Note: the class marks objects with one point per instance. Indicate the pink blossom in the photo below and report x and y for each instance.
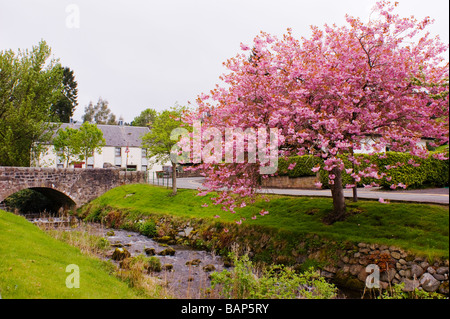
(225, 230)
(318, 184)
(254, 217)
(239, 222)
(244, 47)
(349, 170)
(327, 93)
(381, 200)
(263, 212)
(316, 169)
(440, 156)
(291, 166)
(216, 216)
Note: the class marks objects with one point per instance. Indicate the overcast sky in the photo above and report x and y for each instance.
(140, 54)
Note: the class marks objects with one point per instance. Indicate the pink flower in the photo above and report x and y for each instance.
(263, 212)
(349, 170)
(332, 176)
(239, 222)
(243, 204)
(244, 47)
(254, 217)
(315, 169)
(350, 185)
(204, 205)
(217, 216)
(291, 166)
(225, 230)
(381, 200)
(318, 184)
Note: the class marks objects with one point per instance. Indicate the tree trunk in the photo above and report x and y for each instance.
(174, 178)
(355, 191)
(337, 193)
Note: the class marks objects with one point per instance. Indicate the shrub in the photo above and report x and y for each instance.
(303, 165)
(147, 228)
(243, 282)
(431, 172)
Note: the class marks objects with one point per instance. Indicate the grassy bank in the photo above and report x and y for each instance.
(419, 228)
(33, 265)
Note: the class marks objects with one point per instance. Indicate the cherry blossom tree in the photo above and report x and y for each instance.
(329, 94)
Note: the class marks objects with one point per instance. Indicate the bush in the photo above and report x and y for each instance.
(147, 228)
(303, 166)
(431, 172)
(276, 282)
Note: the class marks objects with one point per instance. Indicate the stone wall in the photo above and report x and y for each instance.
(290, 182)
(80, 185)
(396, 266)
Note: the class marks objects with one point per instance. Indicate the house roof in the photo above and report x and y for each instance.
(117, 135)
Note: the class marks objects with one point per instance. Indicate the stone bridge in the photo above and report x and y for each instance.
(69, 188)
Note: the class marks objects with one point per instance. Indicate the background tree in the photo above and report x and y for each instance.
(30, 83)
(67, 144)
(158, 142)
(63, 109)
(99, 113)
(329, 93)
(146, 118)
(91, 140)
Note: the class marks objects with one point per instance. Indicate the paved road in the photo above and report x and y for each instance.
(433, 195)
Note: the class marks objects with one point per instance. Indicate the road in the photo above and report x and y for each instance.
(431, 195)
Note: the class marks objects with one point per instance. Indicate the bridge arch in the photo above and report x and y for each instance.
(78, 185)
(52, 200)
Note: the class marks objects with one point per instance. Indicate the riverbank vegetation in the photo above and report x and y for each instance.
(33, 266)
(419, 228)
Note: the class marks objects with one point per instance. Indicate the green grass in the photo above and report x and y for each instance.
(420, 228)
(33, 265)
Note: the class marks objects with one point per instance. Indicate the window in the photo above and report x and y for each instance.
(144, 168)
(118, 151)
(60, 165)
(144, 152)
(90, 166)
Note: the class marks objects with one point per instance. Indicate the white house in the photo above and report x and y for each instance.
(123, 149)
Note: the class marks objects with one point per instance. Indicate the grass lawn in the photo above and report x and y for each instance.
(420, 228)
(33, 265)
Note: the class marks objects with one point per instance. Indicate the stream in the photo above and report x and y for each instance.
(186, 277)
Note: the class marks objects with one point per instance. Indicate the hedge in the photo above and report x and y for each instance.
(431, 172)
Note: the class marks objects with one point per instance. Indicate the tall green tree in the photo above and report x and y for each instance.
(99, 113)
(67, 144)
(158, 142)
(91, 140)
(30, 83)
(146, 118)
(63, 109)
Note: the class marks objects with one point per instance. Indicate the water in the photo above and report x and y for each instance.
(183, 280)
